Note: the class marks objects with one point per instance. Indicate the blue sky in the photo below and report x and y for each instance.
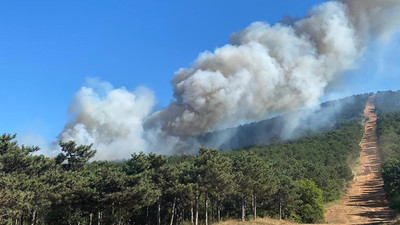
(49, 48)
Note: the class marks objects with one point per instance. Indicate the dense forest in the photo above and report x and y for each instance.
(290, 180)
(389, 143)
(273, 130)
(388, 109)
(387, 101)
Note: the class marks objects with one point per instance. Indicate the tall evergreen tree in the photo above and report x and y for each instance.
(74, 157)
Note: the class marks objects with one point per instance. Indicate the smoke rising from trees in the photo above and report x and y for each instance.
(111, 119)
(265, 69)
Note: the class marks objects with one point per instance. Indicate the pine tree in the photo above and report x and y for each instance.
(74, 157)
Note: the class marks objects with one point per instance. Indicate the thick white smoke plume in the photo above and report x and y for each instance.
(374, 18)
(265, 69)
(111, 119)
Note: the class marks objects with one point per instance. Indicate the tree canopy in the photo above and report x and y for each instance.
(289, 180)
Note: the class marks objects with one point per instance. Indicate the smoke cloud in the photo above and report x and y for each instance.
(265, 70)
(277, 68)
(374, 19)
(111, 119)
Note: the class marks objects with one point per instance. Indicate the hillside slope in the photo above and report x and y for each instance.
(364, 201)
(387, 101)
(288, 126)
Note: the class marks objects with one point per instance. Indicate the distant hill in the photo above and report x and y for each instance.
(291, 125)
(387, 101)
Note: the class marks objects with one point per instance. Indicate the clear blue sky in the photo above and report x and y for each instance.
(49, 48)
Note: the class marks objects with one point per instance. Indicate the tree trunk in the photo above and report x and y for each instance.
(212, 210)
(182, 213)
(255, 206)
(219, 211)
(173, 212)
(243, 209)
(147, 215)
(90, 218)
(113, 212)
(197, 211)
(98, 218)
(206, 207)
(280, 209)
(33, 217)
(120, 221)
(191, 213)
(159, 211)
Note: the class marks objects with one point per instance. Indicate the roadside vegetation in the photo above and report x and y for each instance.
(388, 131)
(389, 142)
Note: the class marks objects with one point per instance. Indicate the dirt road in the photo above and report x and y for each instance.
(364, 201)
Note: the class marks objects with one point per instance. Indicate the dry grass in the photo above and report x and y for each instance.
(263, 221)
(267, 221)
(397, 222)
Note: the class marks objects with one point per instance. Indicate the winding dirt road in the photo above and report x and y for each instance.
(364, 201)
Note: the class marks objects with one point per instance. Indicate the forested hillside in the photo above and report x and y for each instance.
(389, 142)
(274, 129)
(290, 180)
(387, 101)
(388, 108)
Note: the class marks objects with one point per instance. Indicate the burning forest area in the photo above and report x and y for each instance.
(284, 122)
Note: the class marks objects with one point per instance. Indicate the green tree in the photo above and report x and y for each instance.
(215, 177)
(254, 178)
(311, 209)
(391, 177)
(74, 157)
(286, 198)
(146, 180)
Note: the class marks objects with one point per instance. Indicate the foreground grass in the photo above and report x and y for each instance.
(397, 222)
(261, 221)
(267, 221)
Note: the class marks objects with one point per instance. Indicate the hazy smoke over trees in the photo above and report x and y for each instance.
(265, 69)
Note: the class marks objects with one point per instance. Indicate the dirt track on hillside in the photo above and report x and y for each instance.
(364, 201)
